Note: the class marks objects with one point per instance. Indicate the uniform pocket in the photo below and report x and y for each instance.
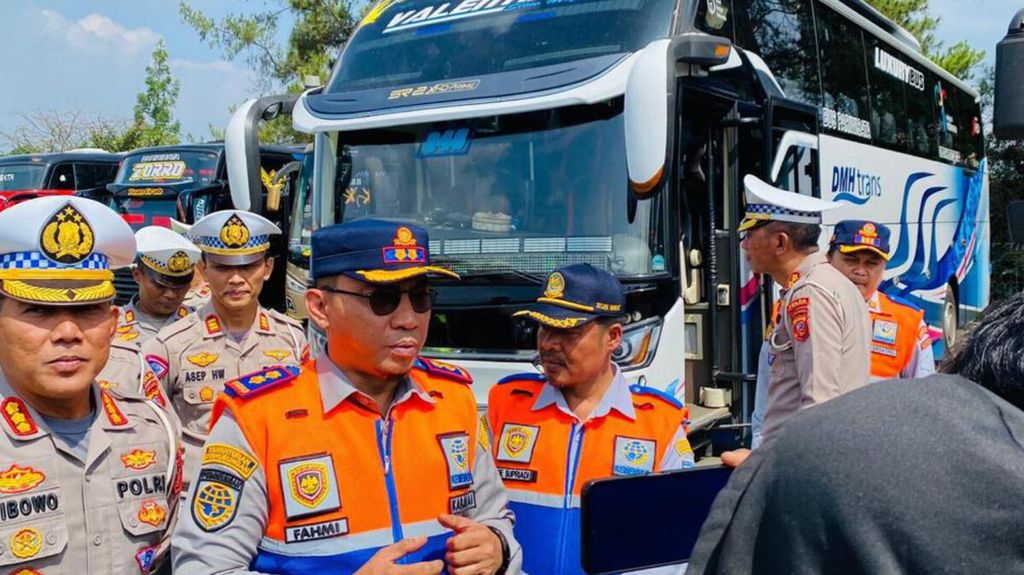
(35, 544)
(200, 393)
(141, 517)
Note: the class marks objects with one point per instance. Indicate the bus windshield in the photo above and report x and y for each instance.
(519, 194)
(21, 177)
(163, 168)
(402, 42)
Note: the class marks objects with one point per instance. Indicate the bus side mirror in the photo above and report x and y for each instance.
(1015, 220)
(650, 104)
(242, 148)
(1008, 119)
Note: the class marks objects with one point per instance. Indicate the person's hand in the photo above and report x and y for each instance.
(383, 561)
(735, 458)
(473, 550)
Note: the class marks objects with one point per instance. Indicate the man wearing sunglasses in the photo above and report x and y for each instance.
(232, 334)
(368, 456)
(578, 421)
(817, 348)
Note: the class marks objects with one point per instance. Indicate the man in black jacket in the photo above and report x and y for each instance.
(915, 476)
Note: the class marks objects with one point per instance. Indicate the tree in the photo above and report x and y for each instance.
(959, 59)
(319, 30)
(154, 106)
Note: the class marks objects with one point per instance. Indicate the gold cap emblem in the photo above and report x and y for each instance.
(404, 237)
(67, 237)
(179, 262)
(234, 233)
(556, 286)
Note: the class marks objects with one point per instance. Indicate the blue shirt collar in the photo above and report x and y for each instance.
(335, 387)
(618, 397)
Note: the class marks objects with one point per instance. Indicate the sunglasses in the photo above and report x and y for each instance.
(385, 300)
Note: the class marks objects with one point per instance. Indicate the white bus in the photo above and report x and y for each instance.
(530, 134)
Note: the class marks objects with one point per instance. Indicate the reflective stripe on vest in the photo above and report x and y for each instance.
(894, 334)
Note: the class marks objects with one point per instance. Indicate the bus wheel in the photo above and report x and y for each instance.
(949, 318)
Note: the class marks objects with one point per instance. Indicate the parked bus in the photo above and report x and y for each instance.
(528, 135)
(84, 172)
(185, 182)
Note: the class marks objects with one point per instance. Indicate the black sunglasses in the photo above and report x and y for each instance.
(384, 300)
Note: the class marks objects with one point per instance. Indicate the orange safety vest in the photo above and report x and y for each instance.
(895, 332)
(353, 473)
(543, 474)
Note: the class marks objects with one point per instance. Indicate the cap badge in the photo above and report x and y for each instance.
(179, 262)
(556, 286)
(234, 233)
(67, 237)
(404, 237)
(404, 249)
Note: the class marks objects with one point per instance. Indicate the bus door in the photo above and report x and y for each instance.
(713, 133)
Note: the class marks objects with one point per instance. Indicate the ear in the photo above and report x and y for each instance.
(270, 268)
(137, 274)
(316, 307)
(115, 314)
(614, 337)
(782, 243)
(201, 268)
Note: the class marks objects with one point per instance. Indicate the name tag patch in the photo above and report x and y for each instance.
(884, 331)
(462, 503)
(516, 442)
(456, 454)
(882, 350)
(522, 475)
(633, 456)
(315, 531)
(310, 486)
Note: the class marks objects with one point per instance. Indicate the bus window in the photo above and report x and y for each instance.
(781, 32)
(968, 140)
(715, 17)
(63, 177)
(844, 81)
(891, 77)
(920, 127)
(947, 129)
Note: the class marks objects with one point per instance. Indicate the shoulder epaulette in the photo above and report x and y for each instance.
(256, 383)
(285, 318)
(177, 327)
(444, 370)
(898, 300)
(644, 390)
(522, 377)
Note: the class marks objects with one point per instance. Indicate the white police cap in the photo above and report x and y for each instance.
(233, 237)
(60, 250)
(165, 255)
(766, 203)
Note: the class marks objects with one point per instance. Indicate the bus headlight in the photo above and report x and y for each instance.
(639, 341)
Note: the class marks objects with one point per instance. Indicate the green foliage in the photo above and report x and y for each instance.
(154, 106)
(959, 59)
(319, 29)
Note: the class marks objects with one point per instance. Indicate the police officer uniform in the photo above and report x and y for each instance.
(199, 293)
(105, 506)
(169, 260)
(545, 453)
(303, 474)
(195, 356)
(901, 345)
(818, 346)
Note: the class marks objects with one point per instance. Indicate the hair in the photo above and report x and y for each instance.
(992, 355)
(608, 322)
(803, 236)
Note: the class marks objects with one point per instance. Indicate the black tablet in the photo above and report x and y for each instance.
(633, 523)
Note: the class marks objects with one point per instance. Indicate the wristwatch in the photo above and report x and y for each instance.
(505, 552)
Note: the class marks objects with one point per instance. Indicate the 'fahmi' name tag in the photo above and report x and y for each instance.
(314, 531)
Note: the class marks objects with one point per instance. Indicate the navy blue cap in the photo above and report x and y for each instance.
(575, 295)
(373, 251)
(856, 235)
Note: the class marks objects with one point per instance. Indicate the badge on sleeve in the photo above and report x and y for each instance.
(456, 454)
(215, 500)
(516, 442)
(798, 310)
(633, 456)
(884, 331)
(310, 486)
(924, 339)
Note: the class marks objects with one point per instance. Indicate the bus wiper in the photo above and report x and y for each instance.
(532, 278)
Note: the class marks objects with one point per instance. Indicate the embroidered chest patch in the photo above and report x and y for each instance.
(633, 456)
(884, 331)
(516, 442)
(309, 485)
(456, 454)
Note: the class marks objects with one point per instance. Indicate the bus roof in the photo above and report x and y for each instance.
(217, 146)
(50, 158)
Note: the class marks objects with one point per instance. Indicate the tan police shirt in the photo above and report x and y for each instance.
(137, 327)
(111, 513)
(197, 297)
(128, 371)
(818, 348)
(195, 356)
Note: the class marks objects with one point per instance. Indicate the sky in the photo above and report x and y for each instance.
(91, 55)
